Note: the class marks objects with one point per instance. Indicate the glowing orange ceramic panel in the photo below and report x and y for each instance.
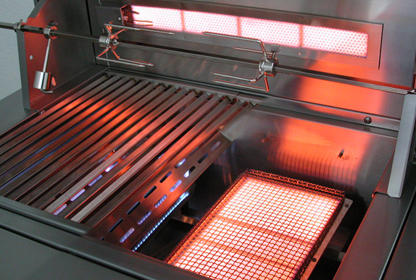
(198, 22)
(287, 34)
(271, 31)
(169, 19)
(335, 40)
(261, 228)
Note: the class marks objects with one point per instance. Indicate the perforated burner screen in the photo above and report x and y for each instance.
(264, 227)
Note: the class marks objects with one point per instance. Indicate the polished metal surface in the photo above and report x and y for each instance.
(110, 41)
(339, 157)
(45, 80)
(280, 86)
(403, 152)
(52, 263)
(12, 111)
(345, 207)
(396, 16)
(373, 29)
(369, 254)
(49, 250)
(266, 65)
(401, 266)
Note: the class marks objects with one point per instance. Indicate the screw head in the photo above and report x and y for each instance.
(368, 120)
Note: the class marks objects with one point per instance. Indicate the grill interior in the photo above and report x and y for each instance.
(136, 144)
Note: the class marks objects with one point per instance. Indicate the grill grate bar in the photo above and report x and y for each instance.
(96, 150)
(123, 150)
(38, 129)
(164, 142)
(186, 140)
(66, 140)
(26, 129)
(89, 157)
(146, 216)
(67, 152)
(207, 144)
(26, 154)
(144, 152)
(62, 181)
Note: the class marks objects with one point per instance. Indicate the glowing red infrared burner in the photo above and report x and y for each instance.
(264, 227)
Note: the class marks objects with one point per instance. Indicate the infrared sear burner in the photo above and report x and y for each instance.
(264, 227)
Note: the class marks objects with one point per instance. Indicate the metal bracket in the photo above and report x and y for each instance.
(44, 80)
(127, 17)
(109, 42)
(18, 25)
(266, 64)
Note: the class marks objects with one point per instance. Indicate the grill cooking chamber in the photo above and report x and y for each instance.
(147, 115)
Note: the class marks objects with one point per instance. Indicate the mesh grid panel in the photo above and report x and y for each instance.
(169, 19)
(270, 31)
(262, 228)
(198, 22)
(335, 40)
(287, 34)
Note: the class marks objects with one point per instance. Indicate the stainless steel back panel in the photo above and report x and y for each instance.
(396, 54)
(398, 43)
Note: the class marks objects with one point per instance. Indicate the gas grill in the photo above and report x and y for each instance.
(211, 140)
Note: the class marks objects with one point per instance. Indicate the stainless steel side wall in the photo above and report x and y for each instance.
(344, 158)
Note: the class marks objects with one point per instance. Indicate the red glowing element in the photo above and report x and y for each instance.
(269, 31)
(335, 40)
(169, 19)
(198, 22)
(261, 229)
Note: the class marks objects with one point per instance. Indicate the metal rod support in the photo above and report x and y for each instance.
(90, 38)
(6, 25)
(45, 63)
(222, 59)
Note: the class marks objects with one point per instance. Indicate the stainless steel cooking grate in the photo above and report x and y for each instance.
(264, 227)
(115, 155)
